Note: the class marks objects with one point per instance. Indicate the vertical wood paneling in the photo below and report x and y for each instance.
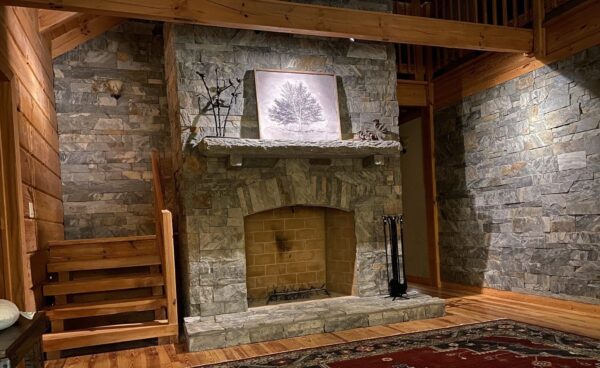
(26, 54)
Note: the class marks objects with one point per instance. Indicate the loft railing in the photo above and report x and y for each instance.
(509, 13)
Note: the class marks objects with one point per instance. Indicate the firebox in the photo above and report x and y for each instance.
(299, 253)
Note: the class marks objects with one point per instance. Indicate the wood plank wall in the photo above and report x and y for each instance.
(27, 56)
(566, 34)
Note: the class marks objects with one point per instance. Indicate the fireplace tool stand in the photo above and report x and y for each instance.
(394, 257)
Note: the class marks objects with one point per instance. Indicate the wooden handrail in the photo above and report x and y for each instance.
(159, 203)
(169, 266)
(164, 242)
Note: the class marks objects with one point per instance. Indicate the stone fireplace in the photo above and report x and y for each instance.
(257, 215)
(261, 215)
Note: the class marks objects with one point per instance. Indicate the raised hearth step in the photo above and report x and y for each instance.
(304, 318)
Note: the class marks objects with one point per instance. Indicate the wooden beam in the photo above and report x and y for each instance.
(76, 30)
(49, 19)
(314, 20)
(429, 177)
(411, 93)
(566, 34)
(539, 31)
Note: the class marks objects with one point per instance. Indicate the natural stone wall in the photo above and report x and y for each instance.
(105, 143)
(518, 170)
(366, 75)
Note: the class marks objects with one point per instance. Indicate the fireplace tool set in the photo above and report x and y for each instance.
(394, 256)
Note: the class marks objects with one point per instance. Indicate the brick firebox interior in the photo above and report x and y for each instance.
(299, 247)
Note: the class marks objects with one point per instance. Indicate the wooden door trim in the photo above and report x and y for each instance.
(13, 196)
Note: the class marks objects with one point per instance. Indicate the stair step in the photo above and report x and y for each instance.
(93, 309)
(57, 341)
(101, 240)
(103, 263)
(102, 284)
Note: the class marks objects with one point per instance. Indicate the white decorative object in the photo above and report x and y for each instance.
(297, 105)
(9, 314)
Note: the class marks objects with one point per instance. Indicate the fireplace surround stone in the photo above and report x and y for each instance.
(215, 198)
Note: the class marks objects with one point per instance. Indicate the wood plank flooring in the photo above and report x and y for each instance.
(464, 306)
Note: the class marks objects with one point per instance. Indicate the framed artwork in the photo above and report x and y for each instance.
(297, 105)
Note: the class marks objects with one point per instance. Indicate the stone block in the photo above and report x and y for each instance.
(345, 323)
(572, 160)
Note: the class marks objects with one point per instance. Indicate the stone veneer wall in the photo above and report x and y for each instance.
(105, 143)
(366, 74)
(518, 170)
(213, 198)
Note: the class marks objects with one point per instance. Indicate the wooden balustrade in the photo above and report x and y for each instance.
(510, 13)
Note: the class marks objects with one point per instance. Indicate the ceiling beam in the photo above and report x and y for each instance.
(48, 19)
(77, 29)
(314, 20)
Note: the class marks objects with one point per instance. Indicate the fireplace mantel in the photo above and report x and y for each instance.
(241, 147)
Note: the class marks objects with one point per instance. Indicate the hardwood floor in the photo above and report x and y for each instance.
(464, 306)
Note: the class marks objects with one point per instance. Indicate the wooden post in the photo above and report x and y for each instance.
(427, 126)
(169, 268)
(13, 231)
(159, 202)
(539, 32)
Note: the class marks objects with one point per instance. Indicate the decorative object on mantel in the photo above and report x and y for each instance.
(216, 101)
(297, 105)
(9, 314)
(376, 132)
(394, 256)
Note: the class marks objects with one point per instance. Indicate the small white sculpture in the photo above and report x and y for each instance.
(115, 87)
(9, 314)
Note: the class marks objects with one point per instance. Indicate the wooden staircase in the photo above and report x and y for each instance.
(104, 284)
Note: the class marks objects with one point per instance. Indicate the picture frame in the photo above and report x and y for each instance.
(297, 105)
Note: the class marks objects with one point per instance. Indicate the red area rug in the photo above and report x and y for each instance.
(494, 344)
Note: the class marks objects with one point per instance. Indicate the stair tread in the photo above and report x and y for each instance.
(103, 263)
(105, 283)
(108, 334)
(101, 240)
(107, 307)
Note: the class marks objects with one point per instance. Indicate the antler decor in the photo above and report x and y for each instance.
(216, 100)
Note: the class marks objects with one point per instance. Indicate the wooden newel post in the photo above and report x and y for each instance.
(169, 267)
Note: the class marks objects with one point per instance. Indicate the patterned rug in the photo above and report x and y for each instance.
(495, 344)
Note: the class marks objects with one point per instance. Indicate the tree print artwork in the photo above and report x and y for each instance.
(296, 106)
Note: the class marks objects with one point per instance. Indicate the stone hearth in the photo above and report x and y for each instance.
(304, 318)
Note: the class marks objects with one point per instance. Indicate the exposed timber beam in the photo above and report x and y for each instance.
(287, 17)
(77, 29)
(49, 19)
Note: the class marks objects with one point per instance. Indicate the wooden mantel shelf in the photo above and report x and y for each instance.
(237, 148)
